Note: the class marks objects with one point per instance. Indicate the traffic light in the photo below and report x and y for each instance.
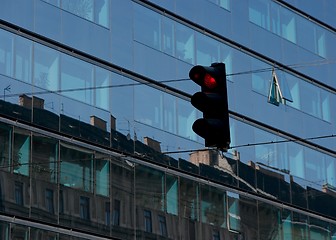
(212, 101)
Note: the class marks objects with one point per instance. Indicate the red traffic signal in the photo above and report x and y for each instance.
(212, 101)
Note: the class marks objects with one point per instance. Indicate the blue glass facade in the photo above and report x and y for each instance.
(95, 120)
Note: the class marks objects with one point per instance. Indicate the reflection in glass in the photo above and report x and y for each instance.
(184, 44)
(148, 106)
(101, 12)
(149, 188)
(189, 199)
(186, 115)
(82, 8)
(76, 79)
(23, 59)
(5, 146)
(172, 192)
(44, 158)
(21, 152)
(147, 27)
(296, 160)
(6, 53)
(46, 67)
(233, 211)
(102, 84)
(84, 207)
(102, 175)
(207, 51)
(213, 206)
(76, 168)
(168, 36)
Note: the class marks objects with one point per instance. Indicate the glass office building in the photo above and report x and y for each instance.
(95, 120)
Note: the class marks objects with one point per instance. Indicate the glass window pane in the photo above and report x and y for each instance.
(315, 167)
(326, 102)
(265, 153)
(306, 34)
(268, 219)
(185, 44)
(288, 25)
(207, 51)
(6, 53)
(172, 194)
(84, 207)
(44, 157)
(296, 160)
(189, 199)
(46, 67)
(148, 108)
(102, 175)
(123, 190)
(233, 211)
(149, 188)
(169, 113)
(76, 168)
(186, 116)
(147, 27)
(259, 13)
(213, 206)
(82, 8)
(21, 152)
(102, 12)
(5, 146)
(23, 59)
(168, 36)
(53, 2)
(310, 97)
(76, 79)
(122, 91)
(102, 88)
(294, 88)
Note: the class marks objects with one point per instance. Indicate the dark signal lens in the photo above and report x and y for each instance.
(209, 81)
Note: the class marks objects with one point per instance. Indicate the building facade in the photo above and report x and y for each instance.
(95, 120)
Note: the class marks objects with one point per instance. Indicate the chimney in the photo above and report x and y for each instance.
(152, 144)
(113, 122)
(98, 122)
(208, 157)
(27, 102)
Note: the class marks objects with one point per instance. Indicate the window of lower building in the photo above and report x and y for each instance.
(215, 235)
(49, 200)
(233, 211)
(116, 213)
(148, 220)
(84, 208)
(162, 225)
(18, 193)
(107, 213)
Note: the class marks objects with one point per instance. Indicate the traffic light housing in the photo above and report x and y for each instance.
(212, 101)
